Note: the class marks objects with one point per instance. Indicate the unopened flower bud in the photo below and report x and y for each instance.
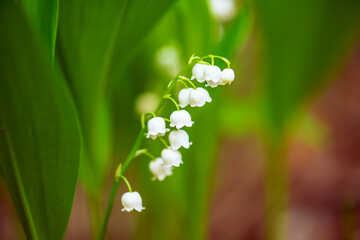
(227, 75)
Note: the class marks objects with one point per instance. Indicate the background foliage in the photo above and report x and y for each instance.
(71, 73)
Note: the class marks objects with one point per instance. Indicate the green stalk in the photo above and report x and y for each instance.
(131, 155)
(114, 189)
(95, 212)
(116, 182)
(181, 78)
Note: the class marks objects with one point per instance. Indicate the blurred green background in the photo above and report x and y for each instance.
(274, 156)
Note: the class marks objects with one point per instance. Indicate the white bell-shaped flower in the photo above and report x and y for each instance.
(159, 169)
(180, 118)
(171, 157)
(184, 97)
(223, 10)
(212, 73)
(198, 72)
(156, 128)
(178, 138)
(199, 97)
(130, 201)
(227, 76)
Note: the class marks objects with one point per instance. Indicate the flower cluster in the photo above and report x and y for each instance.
(170, 156)
(212, 75)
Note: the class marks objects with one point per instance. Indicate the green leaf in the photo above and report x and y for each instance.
(40, 142)
(303, 44)
(302, 41)
(139, 19)
(95, 41)
(43, 15)
(236, 35)
(197, 30)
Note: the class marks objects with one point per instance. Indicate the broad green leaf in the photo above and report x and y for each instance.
(302, 40)
(40, 142)
(92, 51)
(95, 40)
(139, 19)
(43, 15)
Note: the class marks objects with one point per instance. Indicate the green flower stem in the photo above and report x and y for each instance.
(163, 141)
(144, 152)
(117, 180)
(149, 155)
(187, 80)
(204, 62)
(126, 182)
(113, 191)
(218, 57)
(194, 57)
(135, 147)
(143, 116)
(183, 83)
(171, 99)
(139, 152)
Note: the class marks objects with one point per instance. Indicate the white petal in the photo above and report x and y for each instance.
(212, 84)
(180, 118)
(171, 157)
(156, 127)
(178, 138)
(199, 97)
(227, 75)
(212, 73)
(198, 72)
(159, 170)
(184, 97)
(137, 202)
(131, 200)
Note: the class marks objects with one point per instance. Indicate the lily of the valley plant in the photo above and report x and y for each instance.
(170, 157)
